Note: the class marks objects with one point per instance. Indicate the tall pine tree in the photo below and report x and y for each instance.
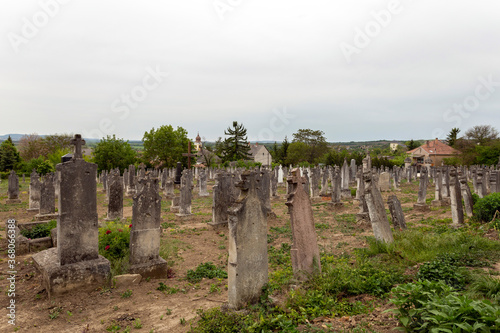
(236, 145)
(9, 156)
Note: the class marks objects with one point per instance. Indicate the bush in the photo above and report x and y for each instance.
(205, 270)
(40, 230)
(427, 306)
(444, 268)
(114, 240)
(485, 208)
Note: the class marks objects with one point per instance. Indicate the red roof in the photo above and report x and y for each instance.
(435, 147)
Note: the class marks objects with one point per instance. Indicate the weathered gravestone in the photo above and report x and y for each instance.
(467, 195)
(304, 251)
(376, 210)
(34, 192)
(324, 182)
(169, 189)
(438, 184)
(315, 181)
(186, 194)
(362, 216)
(384, 182)
(75, 264)
(146, 231)
(203, 192)
(131, 189)
(398, 218)
(422, 192)
(224, 196)
(457, 209)
(178, 173)
(247, 262)
(344, 175)
(115, 195)
(13, 188)
(336, 204)
(47, 209)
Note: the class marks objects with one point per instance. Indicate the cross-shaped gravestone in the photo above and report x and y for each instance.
(188, 154)
(78, 142)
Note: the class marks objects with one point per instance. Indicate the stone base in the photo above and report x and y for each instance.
(436, 203)
(155, 269)
(203, 194)
(335, 206)
(422, 207)
(346, 194)
(275, 197)
(446, 202)
(83, 275)
(218, 226)
(33, 210)
(174, 209)
(13, 201)
(46, 217)
(363, 218)
(184, 216)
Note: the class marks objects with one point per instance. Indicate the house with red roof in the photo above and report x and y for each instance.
(434, 150)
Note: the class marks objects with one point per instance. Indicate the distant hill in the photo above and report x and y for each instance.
(14, 137)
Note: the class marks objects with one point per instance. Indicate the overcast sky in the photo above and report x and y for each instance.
(357, 70)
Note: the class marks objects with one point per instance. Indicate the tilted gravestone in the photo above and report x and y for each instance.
(146, 231)
(398, 218)
(457, 209)
(75, 263)
(304, 251)
(467, 195)
(247, 262)
(376, 210)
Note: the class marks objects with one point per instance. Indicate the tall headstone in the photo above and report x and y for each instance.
(131, 190)
(223, 197)
(346, 191)
(336, 203)
(457, 209)
(304, 251)
(362, 216)
(75, 263)
(178, 173)
(467, 195)
(34, 192)
(13, 188)
(168, 188)
(247, 262)
(422, 192)
(186, 194)
(202, 181)
(115, 195)
(376, 210)
(146, 231)
(438, 184)
(280, 174)
(324, 182)
(384, 182)
(398, 218)
(315, 181)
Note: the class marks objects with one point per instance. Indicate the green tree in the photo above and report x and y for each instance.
(452, 136)
(58, 142)
(297, 153)
(315, 141)
(164, 146)
(236, 145)
(110, 153)
(9, 156)
(284, 151)
(32, 146)
(412, 144)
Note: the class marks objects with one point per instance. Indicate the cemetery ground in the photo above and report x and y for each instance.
(352, 294)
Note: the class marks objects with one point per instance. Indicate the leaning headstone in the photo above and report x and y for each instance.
(398, 218)
(75, 264)
(13, 189)
(422, 192)
(467, 195)
(376, 210)
(362, 216)
(202, 183)
(457, 209)
(146, 231)
(34, 192)
(304, 251)
(186, 194)
(115, 196)
(47, 199)
(247, 262)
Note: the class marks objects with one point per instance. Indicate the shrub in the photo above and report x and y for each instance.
(485, 208)
(427, 306)
(114, 239)
(40, 230)
(205, 270)
(444, 268)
